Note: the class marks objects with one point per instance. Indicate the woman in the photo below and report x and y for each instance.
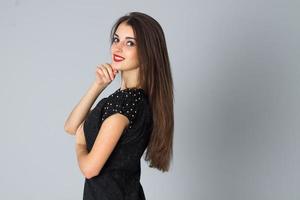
(112, 137)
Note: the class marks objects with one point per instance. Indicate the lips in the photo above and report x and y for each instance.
(118, 58)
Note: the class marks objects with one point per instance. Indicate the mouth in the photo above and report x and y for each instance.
(118, 58)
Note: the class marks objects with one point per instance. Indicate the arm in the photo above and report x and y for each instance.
(110, 132)
(81, 110)
(104, 75)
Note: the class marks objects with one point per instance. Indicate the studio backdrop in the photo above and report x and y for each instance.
(236, 72)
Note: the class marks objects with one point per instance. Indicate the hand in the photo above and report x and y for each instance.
(80, 139)
(105, 73)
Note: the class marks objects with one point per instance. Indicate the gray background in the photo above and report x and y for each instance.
(236, 74)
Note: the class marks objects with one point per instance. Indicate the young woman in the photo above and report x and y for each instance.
(112, 137)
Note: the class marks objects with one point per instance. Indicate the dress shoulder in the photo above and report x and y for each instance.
(125, 102)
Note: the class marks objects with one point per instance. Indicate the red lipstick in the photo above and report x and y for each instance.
(118, 58)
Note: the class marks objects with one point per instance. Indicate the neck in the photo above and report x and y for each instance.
(129, 79)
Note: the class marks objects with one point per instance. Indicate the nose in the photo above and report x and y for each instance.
(118, 46)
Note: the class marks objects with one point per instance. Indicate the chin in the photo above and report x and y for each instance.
(121, 66)
(117, 65)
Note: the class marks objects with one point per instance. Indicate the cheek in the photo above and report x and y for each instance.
(133, 56)
(113, 48)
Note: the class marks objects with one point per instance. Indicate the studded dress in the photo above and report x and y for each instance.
(119, 179)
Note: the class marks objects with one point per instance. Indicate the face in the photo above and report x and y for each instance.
(124, 49)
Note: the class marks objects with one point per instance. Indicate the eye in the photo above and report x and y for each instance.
(115, 39)
(130, 43)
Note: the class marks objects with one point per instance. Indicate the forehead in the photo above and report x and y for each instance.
(124, 30)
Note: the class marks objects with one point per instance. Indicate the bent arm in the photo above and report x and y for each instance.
(108, 136)
(80, 111)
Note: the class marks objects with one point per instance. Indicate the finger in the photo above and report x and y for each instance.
(115, 71)
(104, 70)
(100, 73)
(109, 69)
(98, 69)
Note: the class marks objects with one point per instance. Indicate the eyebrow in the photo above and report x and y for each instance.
(125, 37)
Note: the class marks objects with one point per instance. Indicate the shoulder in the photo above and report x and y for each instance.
(130, 97)
(128, 93)
(126, 102)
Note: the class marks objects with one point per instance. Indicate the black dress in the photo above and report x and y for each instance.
(119, 179)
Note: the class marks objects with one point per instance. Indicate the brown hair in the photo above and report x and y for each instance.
(155, 78)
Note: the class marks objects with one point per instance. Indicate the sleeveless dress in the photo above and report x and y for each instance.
(119, 179)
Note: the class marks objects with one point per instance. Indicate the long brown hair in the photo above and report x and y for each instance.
(155, 78)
